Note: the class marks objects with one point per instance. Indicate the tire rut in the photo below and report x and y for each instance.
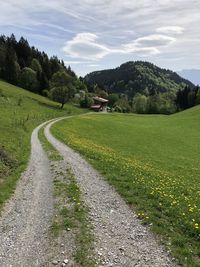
(26, 217)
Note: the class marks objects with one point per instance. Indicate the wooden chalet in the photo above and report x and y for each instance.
(100, 104)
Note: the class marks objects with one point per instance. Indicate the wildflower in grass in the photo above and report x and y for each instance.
(167, 190)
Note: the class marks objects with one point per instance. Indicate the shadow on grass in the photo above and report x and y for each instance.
(48, 105)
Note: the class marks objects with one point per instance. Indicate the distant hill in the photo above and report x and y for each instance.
(138, 76)
(191, 74)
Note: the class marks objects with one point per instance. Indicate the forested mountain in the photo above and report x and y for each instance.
(137, 77)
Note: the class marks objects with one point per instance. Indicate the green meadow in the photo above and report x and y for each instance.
(153, 162)
(20, 112)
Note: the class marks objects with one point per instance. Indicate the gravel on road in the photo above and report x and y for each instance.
(26, 217)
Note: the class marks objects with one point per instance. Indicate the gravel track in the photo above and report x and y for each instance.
(26, 217)
(120, 238)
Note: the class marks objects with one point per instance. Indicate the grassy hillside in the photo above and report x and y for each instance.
(20, 112)
(153, 162)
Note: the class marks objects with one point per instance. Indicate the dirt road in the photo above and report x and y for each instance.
(120, 238)
(25, 221)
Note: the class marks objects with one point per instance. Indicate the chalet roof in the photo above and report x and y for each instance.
(95, 106)
(100, 99)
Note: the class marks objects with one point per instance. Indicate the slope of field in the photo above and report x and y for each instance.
(20, 112)
(153, 162)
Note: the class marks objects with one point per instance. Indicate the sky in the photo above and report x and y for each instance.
(92, 35)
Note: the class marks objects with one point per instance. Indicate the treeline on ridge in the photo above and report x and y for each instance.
(27, 67)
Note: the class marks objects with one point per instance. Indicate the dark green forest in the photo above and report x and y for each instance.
(18, 60)
(27, 67)
(139, 86)
(137, 77)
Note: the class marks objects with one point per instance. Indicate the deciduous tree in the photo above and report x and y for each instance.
(62, 88)
(28, 79)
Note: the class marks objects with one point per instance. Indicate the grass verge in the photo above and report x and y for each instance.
(73, 216)
(52, 153)
(153, 162)
(71, 213)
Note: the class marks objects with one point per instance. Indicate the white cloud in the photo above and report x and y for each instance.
(149, 45)
(85, 46)
(93, 65)
(85, 37)
(170, 30)
(154, 40)
(133, 48)
(57, 27)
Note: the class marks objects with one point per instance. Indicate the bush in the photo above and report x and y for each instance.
(87, 102)
(28, 79)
